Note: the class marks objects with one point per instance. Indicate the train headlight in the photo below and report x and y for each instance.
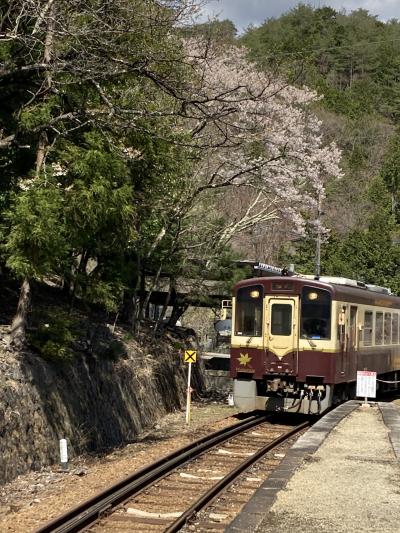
(254, 294)
(312, 296)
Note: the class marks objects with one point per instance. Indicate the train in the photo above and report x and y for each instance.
(297, 342)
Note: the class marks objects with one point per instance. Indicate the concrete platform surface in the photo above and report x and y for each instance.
(343, 475)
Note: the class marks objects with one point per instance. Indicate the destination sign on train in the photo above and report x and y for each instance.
(268, 268)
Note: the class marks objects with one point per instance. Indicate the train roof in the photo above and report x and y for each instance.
(341, 289)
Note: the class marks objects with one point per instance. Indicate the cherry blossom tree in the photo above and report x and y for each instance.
(78, 75)
(253, 137)
(256, 134)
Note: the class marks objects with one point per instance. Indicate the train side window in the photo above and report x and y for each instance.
(395, 328)
(388, 328)
(378, 328)
(249, 302)
(368, 324)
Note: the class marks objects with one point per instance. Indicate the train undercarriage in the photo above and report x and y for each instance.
(283, 394)
(278, 395)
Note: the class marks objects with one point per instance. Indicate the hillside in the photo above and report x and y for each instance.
(84, 380)
(352, 60)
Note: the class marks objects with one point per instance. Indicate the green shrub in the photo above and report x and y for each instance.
(114, 350)
(54, 336)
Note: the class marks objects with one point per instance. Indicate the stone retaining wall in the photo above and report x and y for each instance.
(95, 403)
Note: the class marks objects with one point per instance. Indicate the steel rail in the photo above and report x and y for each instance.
(90, 510)
(219, 487)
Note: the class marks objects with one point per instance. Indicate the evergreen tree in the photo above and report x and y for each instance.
(370, 255)
(390, 173)
(119, 137)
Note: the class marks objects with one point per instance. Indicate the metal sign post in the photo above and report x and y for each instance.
(188, 395)
(189, 357)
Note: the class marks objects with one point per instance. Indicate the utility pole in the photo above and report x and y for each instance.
(318, 244)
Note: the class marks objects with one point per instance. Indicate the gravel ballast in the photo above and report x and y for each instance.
(35, 498)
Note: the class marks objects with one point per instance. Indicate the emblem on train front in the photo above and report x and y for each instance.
(244, 359)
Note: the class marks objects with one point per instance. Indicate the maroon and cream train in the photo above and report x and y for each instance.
(297, 343)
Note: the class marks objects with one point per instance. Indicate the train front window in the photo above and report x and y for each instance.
(315, 313)
(281, 319)
(249, 305)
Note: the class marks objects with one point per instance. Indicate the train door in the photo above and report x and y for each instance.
(352, 347)
(353, 329)
(342, 332)
(281, 333)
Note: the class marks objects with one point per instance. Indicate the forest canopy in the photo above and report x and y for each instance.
(352, 60)
(134, 141)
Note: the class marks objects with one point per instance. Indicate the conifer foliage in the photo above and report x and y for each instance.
(119, 136)
(352, 59)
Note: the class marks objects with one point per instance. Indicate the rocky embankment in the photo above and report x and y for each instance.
(96, 401)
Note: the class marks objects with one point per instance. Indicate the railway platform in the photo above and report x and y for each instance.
(342, 475)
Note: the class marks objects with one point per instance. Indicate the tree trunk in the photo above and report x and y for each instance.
(177, 311)
(149, 293)
(171, 292)
(394, 202)
(142, 294)
(18, 326)
(135, 300)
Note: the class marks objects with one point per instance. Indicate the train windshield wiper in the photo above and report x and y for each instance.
(310, 342)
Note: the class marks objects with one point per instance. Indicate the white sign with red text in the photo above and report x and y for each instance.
(366, 384)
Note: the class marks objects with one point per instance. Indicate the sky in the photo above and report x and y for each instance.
(245, 12)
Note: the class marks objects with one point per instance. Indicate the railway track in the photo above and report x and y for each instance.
(165, 495)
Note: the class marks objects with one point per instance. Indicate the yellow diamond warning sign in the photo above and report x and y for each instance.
(190, 356)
